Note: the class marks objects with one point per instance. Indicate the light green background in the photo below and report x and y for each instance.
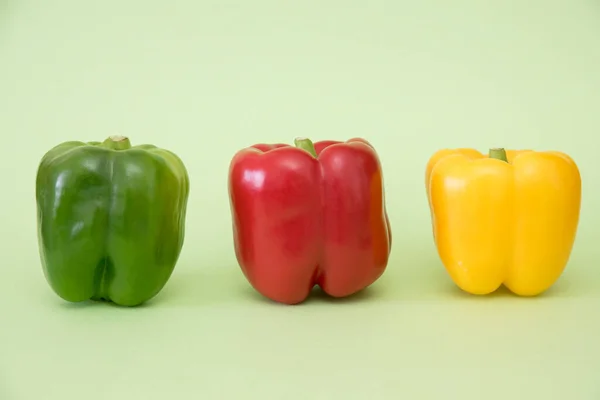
(205, 78)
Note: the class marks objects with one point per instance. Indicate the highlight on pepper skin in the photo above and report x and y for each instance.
(508, 218)
(309, 214)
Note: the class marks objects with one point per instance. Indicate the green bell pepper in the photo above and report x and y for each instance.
(111, 219)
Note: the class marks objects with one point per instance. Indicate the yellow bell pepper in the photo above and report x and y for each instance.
(506, 218)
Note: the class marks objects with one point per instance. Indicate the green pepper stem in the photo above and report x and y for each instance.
(499, 154)
(117, 143)
(306, 144)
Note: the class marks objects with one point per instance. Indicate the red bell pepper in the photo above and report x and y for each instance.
(309, 215)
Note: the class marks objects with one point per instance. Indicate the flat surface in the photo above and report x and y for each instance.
(205, 78)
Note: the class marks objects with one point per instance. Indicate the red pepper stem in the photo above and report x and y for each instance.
(306, 144)
(117, 143)
(499, 154)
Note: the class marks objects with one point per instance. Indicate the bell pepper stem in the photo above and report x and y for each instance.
(306, 144)
(117, 142)
(499, 154)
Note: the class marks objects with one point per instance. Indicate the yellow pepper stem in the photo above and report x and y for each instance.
(499, 154)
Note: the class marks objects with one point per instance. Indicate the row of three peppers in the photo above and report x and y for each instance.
(315, 214)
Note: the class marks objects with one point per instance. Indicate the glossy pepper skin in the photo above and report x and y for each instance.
(508, 218)
(309, 215)
(111, 219)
